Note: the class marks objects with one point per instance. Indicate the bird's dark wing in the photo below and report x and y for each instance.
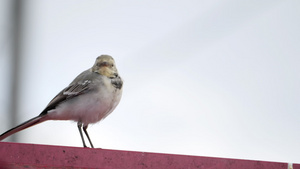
(73, 90)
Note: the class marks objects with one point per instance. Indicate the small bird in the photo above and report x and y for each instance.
(90, 97)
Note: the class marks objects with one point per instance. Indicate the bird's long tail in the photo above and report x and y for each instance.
(26, 124)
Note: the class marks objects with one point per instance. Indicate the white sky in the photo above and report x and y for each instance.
(209, 78)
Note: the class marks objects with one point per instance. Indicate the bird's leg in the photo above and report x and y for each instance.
(79, 125)
(87, 135)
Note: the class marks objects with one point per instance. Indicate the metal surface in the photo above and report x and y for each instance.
(16, 155)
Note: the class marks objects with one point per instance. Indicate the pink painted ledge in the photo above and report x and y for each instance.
(17, 155)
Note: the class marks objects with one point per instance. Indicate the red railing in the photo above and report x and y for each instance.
(16, 155)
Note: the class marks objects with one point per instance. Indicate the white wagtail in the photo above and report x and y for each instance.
(91, 96)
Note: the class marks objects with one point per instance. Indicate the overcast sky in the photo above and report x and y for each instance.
(213, 78)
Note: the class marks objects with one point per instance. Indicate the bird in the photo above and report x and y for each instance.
(88, 99)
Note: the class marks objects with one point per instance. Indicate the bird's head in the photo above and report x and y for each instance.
(105, 65)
